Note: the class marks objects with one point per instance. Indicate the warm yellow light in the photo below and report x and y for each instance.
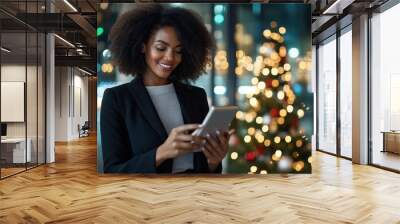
(275, 83)
(278, 153)
(299, 143)
(281, 121)
(277, 139)
(260, 138)
(247, 138)
(288, 139)
(309, 159)
(282, 52)
(253, 102)
(249, 67)
(267, 33)
(239, 115)
(234, 155)
(254, 81)
(286, 67)
(275, 56)
(267, 142)
(259, 120)
(264, 128)
(265, 71)
(288, 77)
(104, 68)
(298, 166)
(251, 131)
(261, 85)
(107, 68)
(289, 108)
(282, 30)
(253, 169)
(273, 127)
(239, 71)
(281, 95)
(275, 157)
(249, 118)
(268, 93)
(300, 113)
(239, 54)
(274, 71)
(302, 65)
(263, 172)
(282, 113)
(276, 36)
(281, 70)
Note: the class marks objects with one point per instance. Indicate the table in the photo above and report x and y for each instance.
(391, 141)
(13, 150)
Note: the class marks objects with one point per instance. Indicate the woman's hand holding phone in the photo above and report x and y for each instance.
(179, 142)
(216, 148)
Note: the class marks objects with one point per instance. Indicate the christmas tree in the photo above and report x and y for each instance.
(269, 137)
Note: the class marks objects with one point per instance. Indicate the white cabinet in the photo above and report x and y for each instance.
(16, 147)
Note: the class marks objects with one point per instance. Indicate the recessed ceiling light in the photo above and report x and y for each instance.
(64, 40)
(5, 49)
(70, 5)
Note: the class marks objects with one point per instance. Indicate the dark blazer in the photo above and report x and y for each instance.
(131, 130)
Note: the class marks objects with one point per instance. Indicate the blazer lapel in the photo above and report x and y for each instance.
(146, 106)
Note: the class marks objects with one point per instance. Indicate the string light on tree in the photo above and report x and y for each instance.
(272, 113)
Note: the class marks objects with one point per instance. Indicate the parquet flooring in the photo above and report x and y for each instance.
(70, 191)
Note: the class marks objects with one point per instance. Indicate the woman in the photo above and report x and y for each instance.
(146, 124)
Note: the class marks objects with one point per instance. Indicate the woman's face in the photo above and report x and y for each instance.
(163, 53)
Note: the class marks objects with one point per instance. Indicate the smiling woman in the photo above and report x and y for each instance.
(146, 124)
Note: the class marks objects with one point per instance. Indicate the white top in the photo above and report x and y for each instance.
(167, 105)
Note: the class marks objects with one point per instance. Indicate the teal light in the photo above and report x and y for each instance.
(100, 31)
(218, 19)
(218, 9)
(256, 7)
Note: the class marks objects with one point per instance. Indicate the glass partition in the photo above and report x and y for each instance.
(22, 88)
(327, 96)
(346, 94)
(13, 105)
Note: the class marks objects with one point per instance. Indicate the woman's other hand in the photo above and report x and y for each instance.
(216, 148)
(179, 142)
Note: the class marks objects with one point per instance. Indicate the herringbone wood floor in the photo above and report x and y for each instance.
(70, 191)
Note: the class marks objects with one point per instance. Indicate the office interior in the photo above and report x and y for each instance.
(49, 70)
(48, 80)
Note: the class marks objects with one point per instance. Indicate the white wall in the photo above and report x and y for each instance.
(12, 73)
(71, 93)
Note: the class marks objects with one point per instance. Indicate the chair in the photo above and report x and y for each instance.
(84, 130)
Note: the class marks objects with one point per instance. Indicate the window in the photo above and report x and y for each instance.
(385, 89)
(327, 96)
(346, 94)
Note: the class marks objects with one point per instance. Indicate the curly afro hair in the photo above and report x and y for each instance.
(135, 27)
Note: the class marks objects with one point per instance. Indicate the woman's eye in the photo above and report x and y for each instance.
(178, 51)
(160, 48)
